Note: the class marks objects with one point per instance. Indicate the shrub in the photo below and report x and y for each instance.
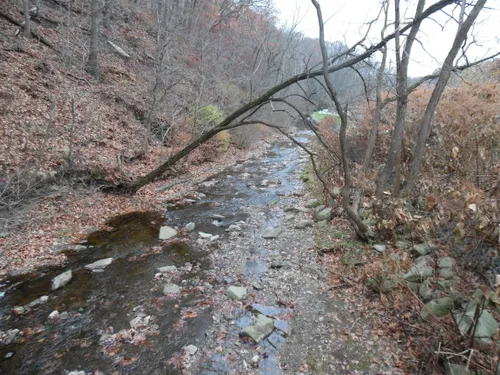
(206, 117)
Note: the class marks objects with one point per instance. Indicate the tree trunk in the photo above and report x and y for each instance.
(27, 25)
(92, 63)
(378, 105)
(444, 76)
(402, 61)
(359, 225)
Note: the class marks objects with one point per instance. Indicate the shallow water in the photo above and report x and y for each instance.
(100, 304)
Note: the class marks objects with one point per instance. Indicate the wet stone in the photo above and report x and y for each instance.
(276, 340)
(140, 321)
(167, 233)
(166, 269)
(18, 310)
(61, 280)
(171, 289)
(282, 325)
(38, 301)
(190, 226)
(262, 327)
(100, 265)
(54, 315)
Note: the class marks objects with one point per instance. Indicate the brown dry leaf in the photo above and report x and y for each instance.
(190, 315)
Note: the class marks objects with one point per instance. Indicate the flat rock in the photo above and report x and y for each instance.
(439, 307)
(446, 273)
(425, 290)
(38, 301)
(325, 214)
(424, 248)
(171, 289)
(418, 273)
(447, 262)
(272, 233)
(167, 233)
(61, 280)
(167, 269)
(141, 320)
(191, 349)
(302, 224)
(204, 235)
(100, 265)
(18, 310)
(236, 292)
(380, 248)
(262, 327)
(456, 369)
(312, 203)
(54, 315)
(323, 224)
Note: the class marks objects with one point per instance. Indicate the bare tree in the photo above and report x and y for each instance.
(444, 76)
(378, 105)
(92, 65)
(402, 62)
(251, 107)
(26, 25)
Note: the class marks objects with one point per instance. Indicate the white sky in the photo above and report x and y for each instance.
(345, 17)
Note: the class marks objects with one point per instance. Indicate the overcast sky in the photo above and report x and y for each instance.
(344, 18)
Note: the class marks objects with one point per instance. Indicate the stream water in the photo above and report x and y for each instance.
(93, 330)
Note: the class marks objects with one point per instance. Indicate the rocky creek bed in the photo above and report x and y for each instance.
(234, 287)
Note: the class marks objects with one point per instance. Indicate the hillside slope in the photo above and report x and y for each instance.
(59, 126)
